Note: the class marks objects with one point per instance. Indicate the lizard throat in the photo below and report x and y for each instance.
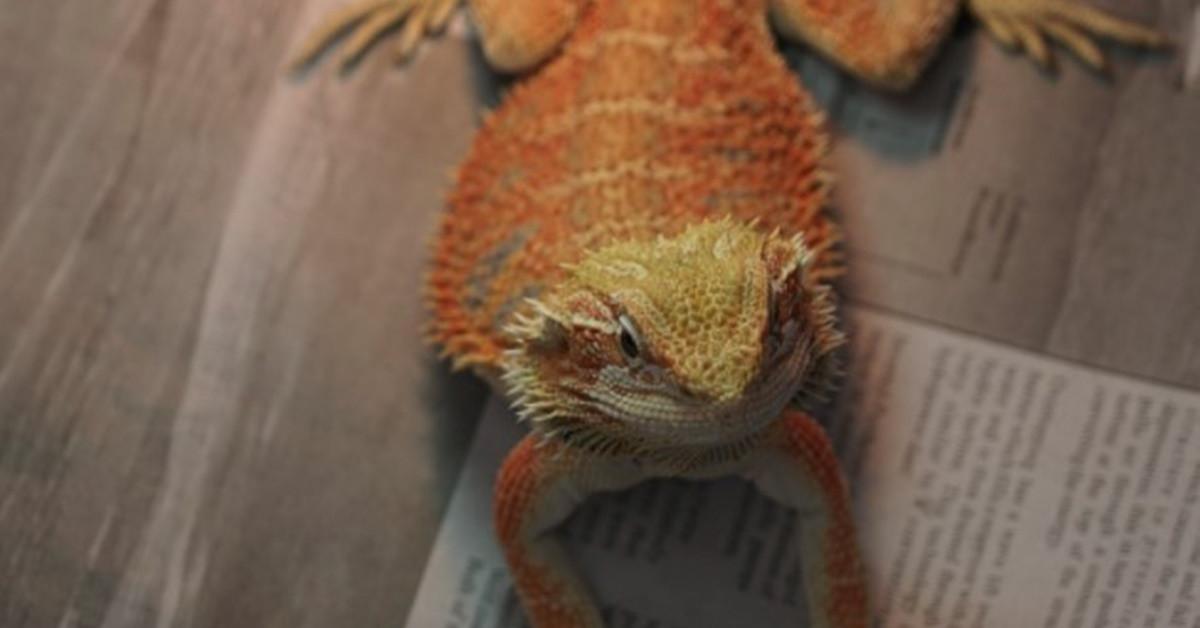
(674, 433)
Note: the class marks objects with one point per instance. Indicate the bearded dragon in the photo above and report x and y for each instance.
(637, 252)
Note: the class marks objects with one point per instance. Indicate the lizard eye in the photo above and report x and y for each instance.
(630, 345)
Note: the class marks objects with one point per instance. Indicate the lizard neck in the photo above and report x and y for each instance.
(713, 22)
(679, 18)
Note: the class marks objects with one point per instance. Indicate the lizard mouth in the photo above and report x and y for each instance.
(675, 435)
(673, 417)
(658, 420)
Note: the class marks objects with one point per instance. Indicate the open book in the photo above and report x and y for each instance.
(995, 487)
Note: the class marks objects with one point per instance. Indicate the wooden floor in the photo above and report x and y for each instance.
(215, 405)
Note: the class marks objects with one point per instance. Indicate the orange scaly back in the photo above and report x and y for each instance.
(656, 115)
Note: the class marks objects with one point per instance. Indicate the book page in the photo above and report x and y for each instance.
(996, 487)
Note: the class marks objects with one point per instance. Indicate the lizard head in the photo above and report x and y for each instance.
(698, 340)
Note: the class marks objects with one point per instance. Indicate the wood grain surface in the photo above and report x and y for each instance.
(215, 405)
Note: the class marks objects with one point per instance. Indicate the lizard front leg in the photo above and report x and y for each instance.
(889, 43)
(796, 466)
(537, 489)
(516, 34)
(1023, 24)
(520, 34)
(366, 21)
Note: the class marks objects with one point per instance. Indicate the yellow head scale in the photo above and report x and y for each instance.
(692, 342)
(697, 302)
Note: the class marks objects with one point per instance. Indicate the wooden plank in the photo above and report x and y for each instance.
(216, 405)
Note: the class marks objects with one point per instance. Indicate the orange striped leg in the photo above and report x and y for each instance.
(519, 34)
(798, 468)
(885, 42)
(537, 489)
(889, 42)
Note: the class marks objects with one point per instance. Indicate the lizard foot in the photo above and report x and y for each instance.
(368, 20)
(1024, 24)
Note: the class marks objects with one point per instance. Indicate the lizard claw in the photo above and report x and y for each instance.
(365, 22)
(1025, 25)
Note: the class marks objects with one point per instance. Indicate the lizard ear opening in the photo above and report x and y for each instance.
(540, 330)
(551, 337)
